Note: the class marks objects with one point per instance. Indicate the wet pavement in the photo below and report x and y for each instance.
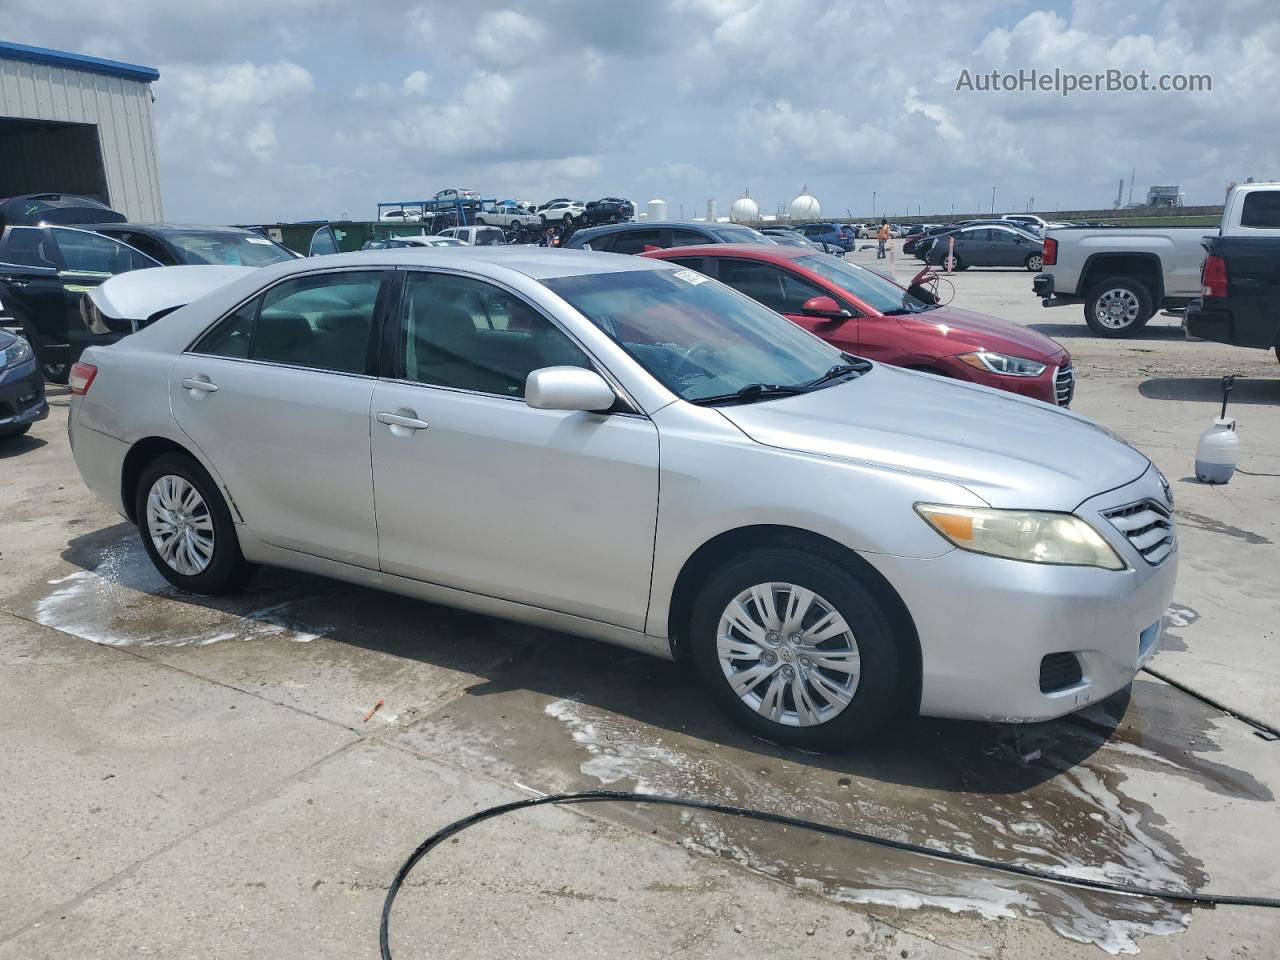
(187, 777)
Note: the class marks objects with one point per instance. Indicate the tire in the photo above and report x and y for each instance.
(515, 224)
(58, 373)
(957, 266)
(543, 218)
(871, 693)
(1118, 307)
(15, 433)
(225, 568)
(480, 222)
(1035, 263)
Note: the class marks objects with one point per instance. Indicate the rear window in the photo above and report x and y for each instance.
(1261, 210)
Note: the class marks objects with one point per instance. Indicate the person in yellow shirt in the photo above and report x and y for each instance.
(882, 235)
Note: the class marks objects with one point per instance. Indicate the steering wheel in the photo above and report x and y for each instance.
(687, 365)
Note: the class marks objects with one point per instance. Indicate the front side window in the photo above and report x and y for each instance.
(636, 241)
(92, 253)
(321, 321)
(697, 337)
(470, 335)
(323, 242)
(28, 246)
(775, 288)
(862, 284)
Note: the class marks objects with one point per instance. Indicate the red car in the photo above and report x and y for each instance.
(864, 313)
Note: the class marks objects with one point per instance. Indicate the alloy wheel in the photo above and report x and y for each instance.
(788, 654)
(180, 525)
(1117, 308)
(1035, 262)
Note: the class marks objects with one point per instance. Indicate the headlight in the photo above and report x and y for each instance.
(17, 352)
(1028, 535)
(1003, 364)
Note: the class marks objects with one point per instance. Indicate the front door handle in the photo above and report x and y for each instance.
(14, 281)
(199, 385)
(403, 423)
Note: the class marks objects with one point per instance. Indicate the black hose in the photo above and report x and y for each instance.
(612, 796)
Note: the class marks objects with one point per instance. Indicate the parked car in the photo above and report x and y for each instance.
(476, 236)
(22, 399)
(1240, 278)
(608, 210)
(398, 243)
(639, 237)
(509, 215)
(864, 313)
(828, 233)
(918, 245)
(1123, 275)
(543, 206)
(563, 212)
(793, 238)
(174, 243)
(456, 193)
(34, 209)
(992, 246)
(44, 273)
(838, 543)
(401, 216)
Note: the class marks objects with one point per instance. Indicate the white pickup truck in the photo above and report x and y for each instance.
(1123, 275)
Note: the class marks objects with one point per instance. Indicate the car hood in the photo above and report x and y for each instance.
(140, 294)
(1010, 451)
(973, 331)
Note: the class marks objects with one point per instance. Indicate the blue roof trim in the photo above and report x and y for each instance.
(77, 61)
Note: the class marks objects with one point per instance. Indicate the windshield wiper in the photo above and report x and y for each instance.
(839, 372)
(752, 392)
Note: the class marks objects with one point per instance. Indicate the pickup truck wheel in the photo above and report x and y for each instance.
(480, 222)
(1117, 307)
(1035, 263)
(543, 218)
(796, 650)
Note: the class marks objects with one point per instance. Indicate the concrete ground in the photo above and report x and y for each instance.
(192, 778)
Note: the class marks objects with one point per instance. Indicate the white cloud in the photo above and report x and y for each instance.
(416, 83)
(508, 37)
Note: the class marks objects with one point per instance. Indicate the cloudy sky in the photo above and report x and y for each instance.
(299, 109)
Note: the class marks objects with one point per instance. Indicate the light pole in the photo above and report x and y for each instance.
(873, 204)
(993, 201)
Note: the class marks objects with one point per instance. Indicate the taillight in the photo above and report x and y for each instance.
(1213, 277)
(1050, 252)
(81, 378)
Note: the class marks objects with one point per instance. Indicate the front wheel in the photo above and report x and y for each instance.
(1118, 307)
(480, 222)
(186, 527)
(796, 650)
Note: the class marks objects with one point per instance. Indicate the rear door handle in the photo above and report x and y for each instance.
(202, 386)
(403, 422)
(14, 281)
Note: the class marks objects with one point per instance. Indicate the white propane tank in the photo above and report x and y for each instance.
(657, 210)
(1217, 452)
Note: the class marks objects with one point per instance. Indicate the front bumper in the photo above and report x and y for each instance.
(22, 399)
(986, 624)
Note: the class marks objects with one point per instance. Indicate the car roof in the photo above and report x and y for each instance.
(537, 263)
(754, 251)
(165, 227)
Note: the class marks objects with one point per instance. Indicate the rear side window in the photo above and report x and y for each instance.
(688, 238)
(636, 241)
(1261, 210)
(322, 321)
(27, 246)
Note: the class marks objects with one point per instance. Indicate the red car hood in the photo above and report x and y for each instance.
(971, 331)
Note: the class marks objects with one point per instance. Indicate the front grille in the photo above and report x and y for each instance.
(1147, 525)
(1059, 671)
(1064, 384)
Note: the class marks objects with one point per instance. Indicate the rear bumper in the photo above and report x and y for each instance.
(1042, 287)
(22, 399)
(1217, 321)
(986, 625)
(100, 459)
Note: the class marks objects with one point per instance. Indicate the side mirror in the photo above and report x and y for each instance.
(824, 307)
(568, 388)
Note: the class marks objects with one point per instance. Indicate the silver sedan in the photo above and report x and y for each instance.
(618, 448)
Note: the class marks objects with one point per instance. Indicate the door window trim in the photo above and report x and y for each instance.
(372, 363)
(393, 368)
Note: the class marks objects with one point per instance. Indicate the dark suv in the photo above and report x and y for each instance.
(827, 233)
(608, 210)
(639, 237)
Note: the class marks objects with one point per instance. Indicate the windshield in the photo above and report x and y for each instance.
(869, 287)
(697, 337)
(224, 247)
(740, 235)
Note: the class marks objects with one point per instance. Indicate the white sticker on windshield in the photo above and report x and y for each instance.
(691, 276)
(258, 240)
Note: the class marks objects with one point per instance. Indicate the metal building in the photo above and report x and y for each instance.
(77, 124)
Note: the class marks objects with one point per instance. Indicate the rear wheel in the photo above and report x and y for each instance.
(1035, 263)
(796, 650)
(1118, 307)
(186, 527)
(480, 222)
